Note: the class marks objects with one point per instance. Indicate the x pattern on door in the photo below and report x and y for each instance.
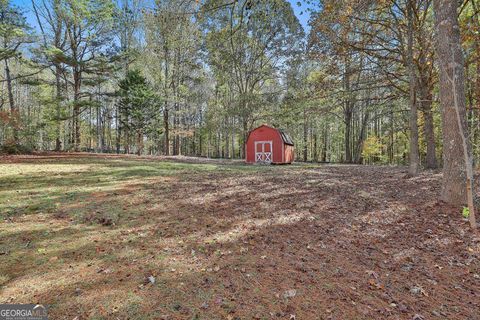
(263, 151)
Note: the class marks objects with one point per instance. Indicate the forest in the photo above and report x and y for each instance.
(185, 77)
(124, 192)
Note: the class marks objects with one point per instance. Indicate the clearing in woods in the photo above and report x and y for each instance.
(121, 237)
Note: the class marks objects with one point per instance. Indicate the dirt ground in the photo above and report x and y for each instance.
(121, 237)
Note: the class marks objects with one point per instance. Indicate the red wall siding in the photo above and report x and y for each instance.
(264, 133)
(289, 153)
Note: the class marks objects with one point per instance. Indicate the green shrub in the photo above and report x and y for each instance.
(465, 212)
(11, 148)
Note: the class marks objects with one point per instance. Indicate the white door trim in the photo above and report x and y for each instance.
(263, 156)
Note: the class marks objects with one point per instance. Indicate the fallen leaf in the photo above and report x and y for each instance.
(290, 293)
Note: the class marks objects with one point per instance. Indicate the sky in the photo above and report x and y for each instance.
(300, 11)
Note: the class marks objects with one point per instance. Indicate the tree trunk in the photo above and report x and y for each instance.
(175, 133)
(13, 110)
(361, 139)
(90, 120)
(431, 161)
(391, 149)
(414, 152)
(476, 131)
(58, 73)
(325, 143)
(98, 130)
(227, 140)
(347, 111)
(118, 126)
(217, 142)
(58, 85)
(458, 172)
(425, 93)
(305, 136)
(126, 145)
(232, 135)
(348, 114)
(139, 143)
(200, 143)
(245, 136)
(166, 134)
(76, 109)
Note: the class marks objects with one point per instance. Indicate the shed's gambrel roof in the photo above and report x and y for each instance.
(285, 137)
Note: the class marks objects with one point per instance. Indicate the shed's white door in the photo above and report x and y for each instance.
(263, 151)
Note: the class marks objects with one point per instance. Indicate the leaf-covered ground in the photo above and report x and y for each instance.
(119, 237)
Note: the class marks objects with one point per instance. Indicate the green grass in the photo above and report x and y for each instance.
(49, 187)
(93, 222)
(29, 188)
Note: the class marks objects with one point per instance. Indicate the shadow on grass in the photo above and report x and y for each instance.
(45, 192)
(226, 243)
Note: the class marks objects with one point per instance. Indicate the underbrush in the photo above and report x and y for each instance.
(12, 148)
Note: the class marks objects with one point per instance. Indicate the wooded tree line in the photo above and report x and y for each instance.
(189, 77)
(131, 76)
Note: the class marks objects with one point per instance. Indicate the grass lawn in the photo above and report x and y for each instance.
(121, 237)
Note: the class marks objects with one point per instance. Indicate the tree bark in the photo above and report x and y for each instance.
(118, 126)
(429, 132)
(361, 138)
(325, 143)
(58, 74)
(425, 93)
(476, 130)
(227, 139)
(457, 182)
(167, 130)
(165, 111)
(13, 110)
(232, 135)
(391, 147)
(414, 151)
(347, 110)
(305, 136)
(245, 136)
(348, 114)
(76, 110)
(58, 85)
(139, 142)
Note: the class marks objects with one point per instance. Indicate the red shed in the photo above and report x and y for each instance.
(268, 145)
